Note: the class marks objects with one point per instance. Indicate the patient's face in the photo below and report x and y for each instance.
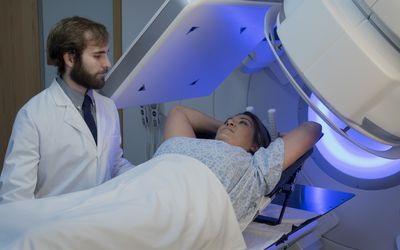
(238, 131)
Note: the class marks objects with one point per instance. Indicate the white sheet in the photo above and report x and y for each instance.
(169, 202)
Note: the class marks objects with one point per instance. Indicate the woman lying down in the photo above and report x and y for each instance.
(191, 195)
(241, 156)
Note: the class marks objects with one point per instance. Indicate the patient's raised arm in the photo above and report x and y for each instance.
(185, 122)
(299, 141)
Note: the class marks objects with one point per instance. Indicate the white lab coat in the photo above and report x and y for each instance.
(51, 150)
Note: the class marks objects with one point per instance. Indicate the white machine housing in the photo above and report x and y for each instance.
(186, 50)
(348, 54)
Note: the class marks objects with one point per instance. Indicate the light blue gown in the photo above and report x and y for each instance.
(246, 177)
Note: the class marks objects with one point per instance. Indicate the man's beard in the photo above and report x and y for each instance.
(82, 77)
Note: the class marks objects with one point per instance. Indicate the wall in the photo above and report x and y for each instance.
(135, 15)
(19, 61)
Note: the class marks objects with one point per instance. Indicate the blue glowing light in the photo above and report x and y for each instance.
(347, 157)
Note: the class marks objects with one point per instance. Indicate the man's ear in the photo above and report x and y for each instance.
(69, 59)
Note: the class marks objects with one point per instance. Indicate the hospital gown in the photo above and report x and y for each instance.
(246, 177)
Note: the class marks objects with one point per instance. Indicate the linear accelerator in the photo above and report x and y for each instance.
(346, 52)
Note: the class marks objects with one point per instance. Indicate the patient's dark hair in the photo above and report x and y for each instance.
(261, 134)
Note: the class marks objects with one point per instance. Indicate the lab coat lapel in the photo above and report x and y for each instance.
(71, 115)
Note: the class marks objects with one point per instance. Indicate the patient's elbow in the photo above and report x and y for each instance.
(313, 129)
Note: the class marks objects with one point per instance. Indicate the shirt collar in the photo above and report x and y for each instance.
(74, 96)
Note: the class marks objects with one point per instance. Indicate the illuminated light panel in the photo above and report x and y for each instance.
(347, 157)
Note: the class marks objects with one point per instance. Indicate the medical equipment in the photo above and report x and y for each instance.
(177, 61)
(173, 58)
(305, 207)
(349, 76)
(363, 47)
(150, 116)
(285, 186)
(169, 47)
(181, 48)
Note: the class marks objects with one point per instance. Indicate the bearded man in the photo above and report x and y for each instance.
(67, 138)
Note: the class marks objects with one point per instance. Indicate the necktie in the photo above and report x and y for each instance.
(88, 117)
